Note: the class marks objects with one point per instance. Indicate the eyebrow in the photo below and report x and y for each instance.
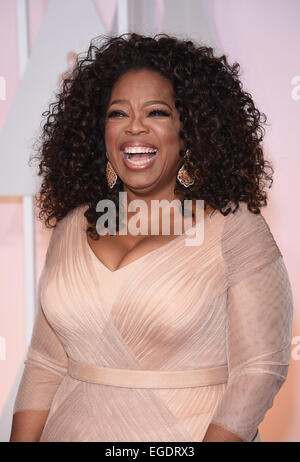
(148, 103)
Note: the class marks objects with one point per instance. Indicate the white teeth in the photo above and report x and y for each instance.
(139, 150)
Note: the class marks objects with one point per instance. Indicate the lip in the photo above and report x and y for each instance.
(132, 144)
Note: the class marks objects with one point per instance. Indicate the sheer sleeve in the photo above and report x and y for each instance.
(259, 325)
(45, 364)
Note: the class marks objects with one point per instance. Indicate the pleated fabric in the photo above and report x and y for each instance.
(226, 302)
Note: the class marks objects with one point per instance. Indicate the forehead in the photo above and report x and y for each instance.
(142, 83)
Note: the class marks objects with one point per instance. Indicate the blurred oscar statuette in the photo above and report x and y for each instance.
(72, 61)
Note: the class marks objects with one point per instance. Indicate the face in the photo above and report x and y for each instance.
(142, 132)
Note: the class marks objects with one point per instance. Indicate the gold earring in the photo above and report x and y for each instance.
(111, 175)
(183, 176)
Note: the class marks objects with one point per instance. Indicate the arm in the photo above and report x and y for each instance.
(259, 325)
(45, 367)
(258, 341)
(215, 433)
(28, 426)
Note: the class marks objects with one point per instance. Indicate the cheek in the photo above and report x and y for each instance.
(111, 134)
(170, 136)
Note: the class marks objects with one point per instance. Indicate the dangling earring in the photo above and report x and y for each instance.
(111, 175)
(182, 176)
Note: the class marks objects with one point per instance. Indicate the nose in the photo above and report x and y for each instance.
(135, 126)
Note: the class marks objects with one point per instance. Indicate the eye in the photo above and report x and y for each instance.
(155, 112)
(159, 112)
(116, 113)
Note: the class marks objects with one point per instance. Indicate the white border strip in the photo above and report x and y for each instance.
(28, 200)
(23, 45)
(122, 16)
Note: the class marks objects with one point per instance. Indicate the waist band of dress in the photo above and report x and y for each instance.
(131, 378)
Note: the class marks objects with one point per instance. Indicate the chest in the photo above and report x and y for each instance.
(118, 251)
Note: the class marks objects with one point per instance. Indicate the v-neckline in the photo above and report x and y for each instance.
(139, 259)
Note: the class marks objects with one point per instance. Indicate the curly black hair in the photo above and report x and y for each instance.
(220, 125)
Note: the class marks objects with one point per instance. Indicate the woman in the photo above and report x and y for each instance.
(140, 337)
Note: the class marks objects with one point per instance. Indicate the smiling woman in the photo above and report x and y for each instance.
(145, 338)
(143, 140)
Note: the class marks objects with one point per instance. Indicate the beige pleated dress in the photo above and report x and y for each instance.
(157, 350)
